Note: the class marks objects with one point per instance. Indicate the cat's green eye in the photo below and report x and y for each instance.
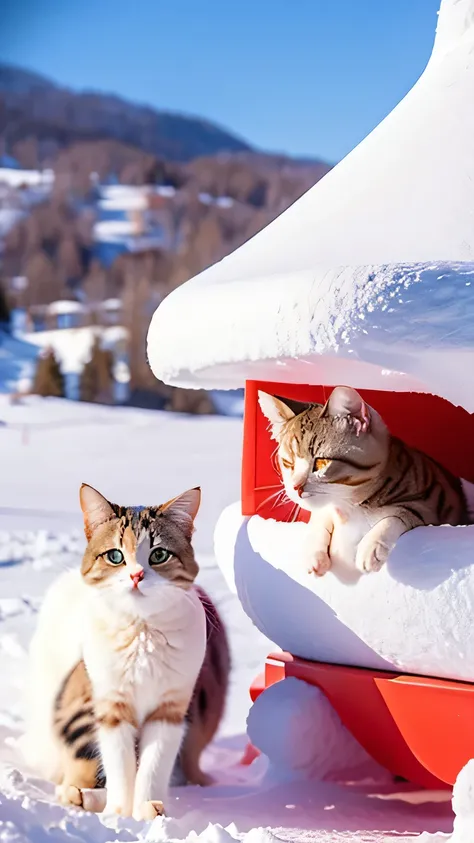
(159, 555)
(115, 557)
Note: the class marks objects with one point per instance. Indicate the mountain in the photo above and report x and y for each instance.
(31, 105)
(138, 202)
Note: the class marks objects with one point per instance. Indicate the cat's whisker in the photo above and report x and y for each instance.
(296, 513)
(275, 462)
(282, 499)
(294, 509)
(270, 497)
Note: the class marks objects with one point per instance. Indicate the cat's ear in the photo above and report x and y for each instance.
(95, 508)
(184, 509)
(345, 401)
(279, 410)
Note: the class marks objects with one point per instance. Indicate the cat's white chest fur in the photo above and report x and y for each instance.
(147, 660)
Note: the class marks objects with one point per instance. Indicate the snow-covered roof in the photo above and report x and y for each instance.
(368, 279)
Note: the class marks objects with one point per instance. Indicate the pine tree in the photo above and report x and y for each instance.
(97, 378)
(48, 380)
(4, 310)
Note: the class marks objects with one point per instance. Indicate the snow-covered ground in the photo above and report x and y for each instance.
(16, 177)
(17, 363)
(47, 448)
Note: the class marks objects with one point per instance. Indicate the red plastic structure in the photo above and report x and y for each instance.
(405, 413)
(418, 727)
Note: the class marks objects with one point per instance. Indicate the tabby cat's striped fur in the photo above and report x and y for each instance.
(363, 487)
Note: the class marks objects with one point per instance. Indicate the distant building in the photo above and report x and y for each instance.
(129, 219)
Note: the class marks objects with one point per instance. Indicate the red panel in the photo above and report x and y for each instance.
(257, 686)
(424, 421)
(436, 719)
(418, 728)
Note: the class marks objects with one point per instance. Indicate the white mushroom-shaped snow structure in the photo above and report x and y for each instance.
(367, 281)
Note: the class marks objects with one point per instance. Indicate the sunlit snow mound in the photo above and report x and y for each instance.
(415, 615)
(463, 805)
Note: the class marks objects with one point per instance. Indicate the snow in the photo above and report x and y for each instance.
(165, 190)
(112, 304)
(31, 178)
(113, 230)
(123, 198)
(8, 218)
(463, 804)
(220, 201)
(286, 723)
(47, 448)
(17, 362)
(57, 308)
(72, 346)
(365, 280)
(420, 615)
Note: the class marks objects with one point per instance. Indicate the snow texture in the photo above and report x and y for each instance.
(368, 279)
(420, 617)
(286, 724)
(463, 805)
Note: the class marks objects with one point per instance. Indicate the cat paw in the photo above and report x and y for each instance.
(317, 563)
(203, 779)
(112, 809)
(371, 558)
(69, 794)
(148, 811)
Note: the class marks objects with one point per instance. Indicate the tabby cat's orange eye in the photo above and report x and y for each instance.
(319, 464)
(285, 463)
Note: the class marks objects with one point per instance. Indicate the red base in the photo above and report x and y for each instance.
(419, 728)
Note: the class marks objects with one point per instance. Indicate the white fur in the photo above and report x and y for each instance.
(161, 663)
(55, 648)
(347, 522)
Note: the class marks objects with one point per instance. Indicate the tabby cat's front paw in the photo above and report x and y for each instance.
(317, 562)
(371, 557)
(69, 794)
(149, 811)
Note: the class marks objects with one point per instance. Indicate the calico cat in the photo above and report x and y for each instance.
(129, 662)
(363, 486)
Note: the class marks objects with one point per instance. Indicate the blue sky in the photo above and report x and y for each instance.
(307, 77)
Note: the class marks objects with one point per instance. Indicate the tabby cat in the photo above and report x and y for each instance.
(363, 486)
(129, 662)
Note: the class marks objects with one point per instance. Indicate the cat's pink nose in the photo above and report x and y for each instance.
(298, 487)
(137, 577)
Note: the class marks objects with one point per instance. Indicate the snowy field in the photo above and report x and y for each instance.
(47, 448)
